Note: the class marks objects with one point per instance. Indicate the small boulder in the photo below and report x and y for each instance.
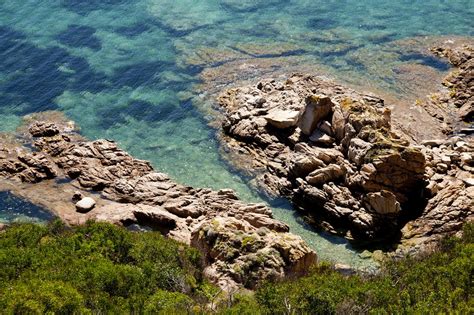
(467, 158)
(442, 168)
(282, 119)
(338, 123)
(326, 174)
(77, 196)
(467, 178)
(43, 129)
(383, 202)
(433, 142)
(358, 148)
(301, 165)
(326, 127)
(318, 107)
(466, 112)
(321, 138)
(86, 204)
(345, 270)
(156, 217)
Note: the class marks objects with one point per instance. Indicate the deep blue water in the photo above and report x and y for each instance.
(128, 69)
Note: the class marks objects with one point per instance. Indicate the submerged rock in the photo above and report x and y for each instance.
(456, 104)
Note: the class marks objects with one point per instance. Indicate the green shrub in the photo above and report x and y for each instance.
(164, 302)
(101, 268)
(441, 282)
(41, 297)
(105, 268)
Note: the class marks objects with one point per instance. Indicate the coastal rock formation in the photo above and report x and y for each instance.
(456, 104)
(216, 222)
(248, 252)
(450, 192)
(340, 162)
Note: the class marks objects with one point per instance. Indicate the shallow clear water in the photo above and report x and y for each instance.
(14, 209)
(127, 69)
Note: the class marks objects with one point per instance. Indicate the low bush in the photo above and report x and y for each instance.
(439, 282)
(97, 267)
(101, 268)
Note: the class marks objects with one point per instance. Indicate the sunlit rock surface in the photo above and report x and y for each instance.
(133, 193)
(366, 182)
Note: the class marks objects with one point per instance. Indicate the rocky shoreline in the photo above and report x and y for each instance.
(333, 152)
(454, 108)
(336, 153)
(81, 180)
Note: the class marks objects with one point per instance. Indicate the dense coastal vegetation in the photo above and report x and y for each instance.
(101, 268)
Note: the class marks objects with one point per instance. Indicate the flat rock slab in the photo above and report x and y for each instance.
(282, 119)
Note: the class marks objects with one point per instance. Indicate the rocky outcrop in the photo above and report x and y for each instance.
(250, 253)
(456, 104)
(450, 192)
(131, 192)
(340, 162)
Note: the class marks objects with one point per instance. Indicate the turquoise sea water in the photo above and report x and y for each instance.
(128, 69)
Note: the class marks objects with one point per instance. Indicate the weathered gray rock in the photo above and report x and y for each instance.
(455, 104)
(250, 254)
(43, 129)
(302, 164)
(466, 112)
(445, 214)
(368, 179)
(326, 128)
(326, 174)
(433, 142)
(156, 217)
(338, 123)
(357, 151)
(321, 138)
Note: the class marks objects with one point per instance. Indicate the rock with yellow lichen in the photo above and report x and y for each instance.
(364, 180)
